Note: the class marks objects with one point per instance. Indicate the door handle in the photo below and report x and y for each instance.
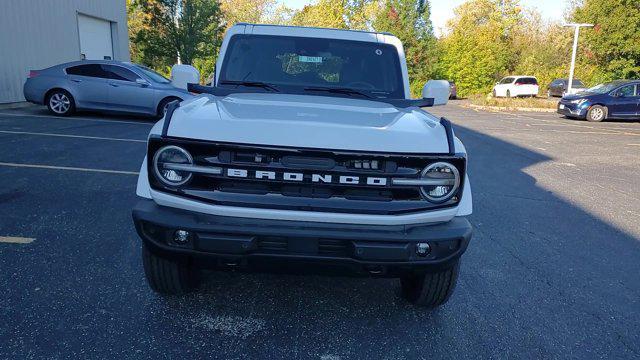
(113, 84)
(76, 80)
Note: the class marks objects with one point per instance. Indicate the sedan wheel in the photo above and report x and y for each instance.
(61, 103)
(597, 113)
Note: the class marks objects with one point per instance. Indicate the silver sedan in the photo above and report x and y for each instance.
(111, 86)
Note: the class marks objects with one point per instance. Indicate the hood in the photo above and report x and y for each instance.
(580, 95)
(310, 122)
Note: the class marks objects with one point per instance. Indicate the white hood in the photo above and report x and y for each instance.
(310, 122)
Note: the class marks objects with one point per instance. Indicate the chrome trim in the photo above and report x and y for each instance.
(156, 170)
(193, 168)
(422, 182)
(456, 182)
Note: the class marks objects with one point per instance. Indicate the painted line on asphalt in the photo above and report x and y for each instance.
(69, 136)
(633, 144)
(78, 118)
(50, 167)
(16, 240)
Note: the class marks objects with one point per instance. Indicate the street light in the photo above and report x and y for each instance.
(575, 49)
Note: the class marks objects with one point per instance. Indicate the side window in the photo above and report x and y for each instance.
(508, 80)
(627, 91)
(91, 70)
(119, 73)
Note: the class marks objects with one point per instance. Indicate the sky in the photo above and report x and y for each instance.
(442, 10)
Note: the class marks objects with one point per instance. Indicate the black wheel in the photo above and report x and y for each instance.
(508, 93)
(167, 276)
(431, 289)
(597, 113)
(549, 93)
(494, 93)
(60, 102)
(164, 104)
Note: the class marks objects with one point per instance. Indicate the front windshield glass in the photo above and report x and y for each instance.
(603, 88)
(577, 83)
(296, 64)
(153, 75)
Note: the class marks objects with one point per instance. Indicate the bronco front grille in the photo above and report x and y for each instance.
(303, 179)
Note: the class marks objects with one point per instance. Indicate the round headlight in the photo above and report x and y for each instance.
(171, 155)
(446, 180)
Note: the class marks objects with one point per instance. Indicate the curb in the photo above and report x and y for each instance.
(16, 105)
(502, 108)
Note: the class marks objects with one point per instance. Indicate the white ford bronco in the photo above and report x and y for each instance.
(306, 154)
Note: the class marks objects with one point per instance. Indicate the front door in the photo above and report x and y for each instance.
(624, 102)
(126, 94)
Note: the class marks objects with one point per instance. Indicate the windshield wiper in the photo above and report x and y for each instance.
(334, 90)
(250, 84)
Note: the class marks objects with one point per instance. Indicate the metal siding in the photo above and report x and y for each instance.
(36, 34)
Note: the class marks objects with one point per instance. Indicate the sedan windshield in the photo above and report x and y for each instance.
(604, 88)
(312, 66)
(153, 75)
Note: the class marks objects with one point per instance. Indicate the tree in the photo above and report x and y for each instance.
(249, 11)
(478, 48)
(409, 21)
(177, 30)
(324, 13)
(613, 45)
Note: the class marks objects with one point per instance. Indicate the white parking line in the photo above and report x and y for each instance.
(50, 167)
(15, 240)
(114, 121)
(69, 136)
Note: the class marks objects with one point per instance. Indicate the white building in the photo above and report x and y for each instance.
(36, 34)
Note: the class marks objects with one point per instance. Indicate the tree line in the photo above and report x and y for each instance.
(485, 40)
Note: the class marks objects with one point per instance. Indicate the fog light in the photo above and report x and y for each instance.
(181, 236)
(423, 249)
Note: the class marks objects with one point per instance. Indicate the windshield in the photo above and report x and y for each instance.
(577, 83)
(302, 65)
(153, 75)
(604, 88)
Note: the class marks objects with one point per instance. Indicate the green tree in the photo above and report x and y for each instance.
(249, 11)
(409, 21)
(176, 30)
(478, 48)
(613, 45)
(324, 13)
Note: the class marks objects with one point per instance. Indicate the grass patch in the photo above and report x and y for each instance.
(514, 103)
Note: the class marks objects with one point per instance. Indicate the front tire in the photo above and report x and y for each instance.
(508, 94)
(430, 290)
(168, 277)
(164, 105)
(60, 103)
(597, 113)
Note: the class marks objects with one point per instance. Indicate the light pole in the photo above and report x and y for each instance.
(575, 49)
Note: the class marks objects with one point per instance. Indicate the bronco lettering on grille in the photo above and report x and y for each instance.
(300, 177)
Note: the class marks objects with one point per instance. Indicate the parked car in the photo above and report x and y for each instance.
(101, 85)
(515, 86)
(618, 99)
(306, 166)
(453, 90)
(558, 87)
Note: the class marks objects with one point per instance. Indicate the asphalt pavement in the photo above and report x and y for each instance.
(551, 272)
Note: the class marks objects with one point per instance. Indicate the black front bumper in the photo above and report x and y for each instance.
(346, 249)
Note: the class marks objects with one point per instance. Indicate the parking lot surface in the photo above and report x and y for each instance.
(552, 270)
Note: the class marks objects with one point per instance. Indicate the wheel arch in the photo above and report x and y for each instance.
(50, 91)
(165, 98)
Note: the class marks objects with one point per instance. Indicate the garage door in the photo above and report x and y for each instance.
(95, 38)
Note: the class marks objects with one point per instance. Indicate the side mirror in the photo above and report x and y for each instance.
(438, 90)
(181, 75)
(142, 82)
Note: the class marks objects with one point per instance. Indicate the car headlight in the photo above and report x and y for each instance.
(446, 181)
(166, 165)
(578, 101)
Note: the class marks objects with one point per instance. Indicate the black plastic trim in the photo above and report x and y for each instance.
(167, 117)
(449, 130)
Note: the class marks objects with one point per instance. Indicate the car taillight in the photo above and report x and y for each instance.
(518, 83)
(33, 73)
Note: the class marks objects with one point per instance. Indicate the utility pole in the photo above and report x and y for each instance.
(575, 50)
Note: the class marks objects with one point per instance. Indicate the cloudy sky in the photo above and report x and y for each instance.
(442, 10)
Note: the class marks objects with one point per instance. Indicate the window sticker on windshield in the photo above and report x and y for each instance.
(310, 59)
(378, 52)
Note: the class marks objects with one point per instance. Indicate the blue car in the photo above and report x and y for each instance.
(111, 86)
(618, 99)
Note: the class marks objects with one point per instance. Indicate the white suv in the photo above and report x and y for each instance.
(515, 86)
(306, 154)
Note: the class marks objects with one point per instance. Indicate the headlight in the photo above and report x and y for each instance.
(578, 101)
(446, 179)
(164, 158)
